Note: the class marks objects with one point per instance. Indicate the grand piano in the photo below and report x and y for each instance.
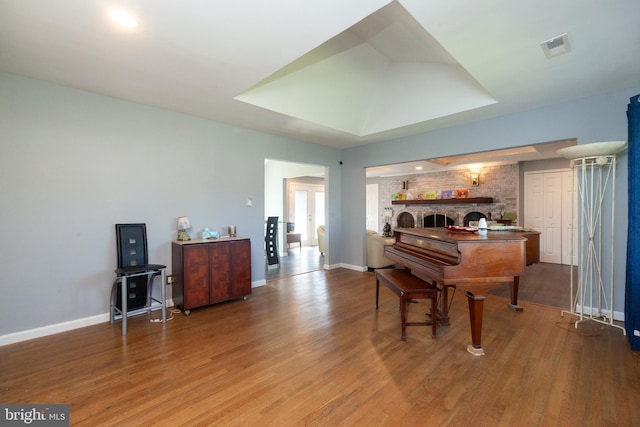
(467, 261)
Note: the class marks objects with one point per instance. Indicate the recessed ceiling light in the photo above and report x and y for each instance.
(122, 18)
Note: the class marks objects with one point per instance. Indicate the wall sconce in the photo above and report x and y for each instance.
(183, 225)
(475, 179)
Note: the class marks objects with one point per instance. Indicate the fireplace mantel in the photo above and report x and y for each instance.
(469, 201)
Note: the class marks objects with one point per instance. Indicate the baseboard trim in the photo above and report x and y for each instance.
(588, 311)
(353, 267)
(52, 329)
(258, 283)
(44, 331)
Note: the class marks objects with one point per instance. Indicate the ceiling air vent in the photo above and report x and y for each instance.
(556, 46)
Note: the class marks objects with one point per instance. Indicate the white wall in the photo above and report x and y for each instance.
(73, 164)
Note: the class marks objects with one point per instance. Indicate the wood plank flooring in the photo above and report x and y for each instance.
(311, 349)
(298, 261)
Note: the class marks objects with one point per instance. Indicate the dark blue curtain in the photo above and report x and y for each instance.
(632, 287)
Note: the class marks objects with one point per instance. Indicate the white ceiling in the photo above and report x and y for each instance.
(332, 72)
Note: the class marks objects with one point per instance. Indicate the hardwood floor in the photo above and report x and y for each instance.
(299, 260)
(311, 349)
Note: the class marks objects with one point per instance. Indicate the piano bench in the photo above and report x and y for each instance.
(407, 287)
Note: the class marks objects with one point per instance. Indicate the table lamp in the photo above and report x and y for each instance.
(183, 225)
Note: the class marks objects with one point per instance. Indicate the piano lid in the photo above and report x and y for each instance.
(445, 235)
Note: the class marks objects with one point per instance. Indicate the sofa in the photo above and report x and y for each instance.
(375, 250)
(320, 231)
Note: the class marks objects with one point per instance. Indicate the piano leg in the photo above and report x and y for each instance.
(443, 312)
(513, 305)
(476, 305)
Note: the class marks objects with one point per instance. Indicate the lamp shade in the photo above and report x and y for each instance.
(593, 149)
(184, 223)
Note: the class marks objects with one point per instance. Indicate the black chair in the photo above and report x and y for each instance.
(135, 276)
(271, 240)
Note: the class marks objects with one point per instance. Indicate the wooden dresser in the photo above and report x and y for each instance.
(210, 271)
(532, 246)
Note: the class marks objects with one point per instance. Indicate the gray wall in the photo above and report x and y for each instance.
(592, 119)
(73, 164)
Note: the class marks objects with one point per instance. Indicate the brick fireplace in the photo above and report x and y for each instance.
(498, 182)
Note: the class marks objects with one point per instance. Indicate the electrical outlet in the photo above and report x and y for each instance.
(169, 279)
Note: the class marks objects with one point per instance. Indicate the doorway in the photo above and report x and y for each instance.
(306, 210)
(278, 177)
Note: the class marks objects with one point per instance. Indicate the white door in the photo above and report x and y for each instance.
(306, 208)
(534, 201)
(373, 220)
(569, 215)
(552, 229)
(545, 210)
